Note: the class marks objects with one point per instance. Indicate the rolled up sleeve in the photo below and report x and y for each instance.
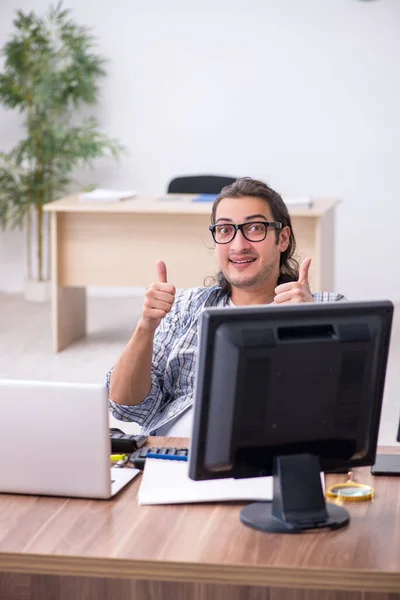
(144, 412)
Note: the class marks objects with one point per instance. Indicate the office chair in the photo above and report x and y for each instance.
(199, 184)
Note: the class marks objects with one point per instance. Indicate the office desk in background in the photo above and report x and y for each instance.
(118, 244)
(59, 549)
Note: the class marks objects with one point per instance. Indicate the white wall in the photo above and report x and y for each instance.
(302, 93)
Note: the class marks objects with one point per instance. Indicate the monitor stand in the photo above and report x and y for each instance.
(298, 502)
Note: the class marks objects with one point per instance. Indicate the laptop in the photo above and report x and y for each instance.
(55, 440)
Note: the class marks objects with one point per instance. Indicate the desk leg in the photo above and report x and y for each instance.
(69, 316)
(325, 244)
(68, 304)
(316, 239)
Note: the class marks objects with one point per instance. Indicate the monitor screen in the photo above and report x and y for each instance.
(287, 381)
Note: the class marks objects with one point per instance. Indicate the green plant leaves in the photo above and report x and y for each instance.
(51, 71)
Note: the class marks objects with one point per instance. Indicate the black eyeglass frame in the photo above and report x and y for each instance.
(273, 224)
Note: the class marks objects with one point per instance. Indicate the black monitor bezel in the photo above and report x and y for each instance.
(212, 318)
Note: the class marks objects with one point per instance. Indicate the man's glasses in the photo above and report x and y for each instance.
(253, 232)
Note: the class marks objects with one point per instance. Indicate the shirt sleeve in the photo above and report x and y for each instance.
(165, 336)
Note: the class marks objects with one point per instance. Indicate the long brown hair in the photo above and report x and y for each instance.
(246, 186)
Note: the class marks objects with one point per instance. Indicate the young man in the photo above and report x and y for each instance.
(152, 382)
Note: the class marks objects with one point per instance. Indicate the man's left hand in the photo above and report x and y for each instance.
(295, 291)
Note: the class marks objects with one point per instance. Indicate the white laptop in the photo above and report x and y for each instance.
(55, 440)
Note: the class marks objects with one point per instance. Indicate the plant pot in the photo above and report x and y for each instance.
(37, 291)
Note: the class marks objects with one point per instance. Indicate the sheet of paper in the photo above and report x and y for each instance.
(102, 195)
(300, 201)
(168, 482)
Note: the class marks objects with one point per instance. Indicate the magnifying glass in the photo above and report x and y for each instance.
(350, 491)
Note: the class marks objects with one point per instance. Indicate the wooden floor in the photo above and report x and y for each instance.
(25, 349)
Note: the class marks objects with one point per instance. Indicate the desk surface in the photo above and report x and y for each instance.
(182, 204)
(203, 543)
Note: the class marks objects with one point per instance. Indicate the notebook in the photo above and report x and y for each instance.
(55, 440)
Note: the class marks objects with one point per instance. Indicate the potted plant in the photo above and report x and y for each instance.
(50, 71)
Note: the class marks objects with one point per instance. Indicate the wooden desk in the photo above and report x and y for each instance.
(118, 244)
(54, 548)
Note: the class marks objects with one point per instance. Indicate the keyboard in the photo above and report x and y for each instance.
(138, 458)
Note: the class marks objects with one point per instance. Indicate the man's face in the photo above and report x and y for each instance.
(243, 263)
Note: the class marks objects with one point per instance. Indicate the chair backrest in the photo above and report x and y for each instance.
(199, 184)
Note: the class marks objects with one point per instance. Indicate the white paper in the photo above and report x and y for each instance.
(102, 195)
(300, 201)
(168, 482)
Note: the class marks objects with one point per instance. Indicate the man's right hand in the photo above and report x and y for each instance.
(158, 300)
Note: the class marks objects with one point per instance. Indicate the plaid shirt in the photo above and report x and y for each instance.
(174, 359)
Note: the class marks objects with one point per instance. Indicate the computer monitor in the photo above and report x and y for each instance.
(289, 391)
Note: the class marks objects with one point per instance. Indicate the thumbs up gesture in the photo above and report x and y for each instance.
(158, 300)
(295, 291)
